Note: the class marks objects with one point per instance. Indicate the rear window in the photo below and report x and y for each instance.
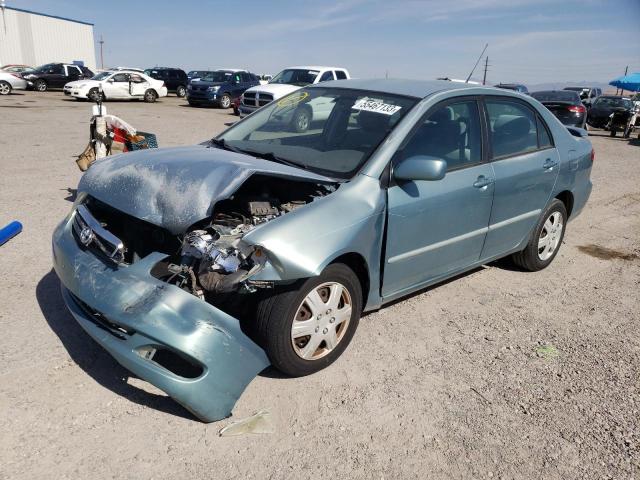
(612, 102)
(561, 96)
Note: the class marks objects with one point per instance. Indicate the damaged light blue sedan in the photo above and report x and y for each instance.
(198, 267)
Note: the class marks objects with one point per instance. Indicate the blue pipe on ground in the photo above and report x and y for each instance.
(10, 231)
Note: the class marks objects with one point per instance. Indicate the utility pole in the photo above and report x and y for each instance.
(101, 42)
(486, 67)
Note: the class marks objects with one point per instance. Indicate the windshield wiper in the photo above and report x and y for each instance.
(221, 143)
(272, 157)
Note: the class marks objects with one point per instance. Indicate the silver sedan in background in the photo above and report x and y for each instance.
(10, 82)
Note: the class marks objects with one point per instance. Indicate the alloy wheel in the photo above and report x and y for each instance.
(321, 321)
(5, 88)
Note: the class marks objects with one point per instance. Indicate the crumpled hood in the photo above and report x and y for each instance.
(176, 187)
(276, 89)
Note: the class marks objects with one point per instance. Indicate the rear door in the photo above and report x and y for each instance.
(439, 227)
(526, 166)
(138, 85)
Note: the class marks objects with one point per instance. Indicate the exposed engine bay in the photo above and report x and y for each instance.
(212, 259)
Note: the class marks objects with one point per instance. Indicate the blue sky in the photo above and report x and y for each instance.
(530, 41)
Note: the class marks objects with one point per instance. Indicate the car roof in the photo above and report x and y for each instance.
(410, 88)
(234, 70)
(314, 67)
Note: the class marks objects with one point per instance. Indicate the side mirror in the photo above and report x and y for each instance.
(420, 167)
(110, 80)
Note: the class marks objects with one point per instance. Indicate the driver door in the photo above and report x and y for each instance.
(438, 227)
(117, 86)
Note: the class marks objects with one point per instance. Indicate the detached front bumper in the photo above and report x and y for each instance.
(191, 350)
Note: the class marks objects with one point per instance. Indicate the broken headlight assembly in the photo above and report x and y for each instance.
(216, 261)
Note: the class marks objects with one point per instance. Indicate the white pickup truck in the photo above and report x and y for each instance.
(287, 81)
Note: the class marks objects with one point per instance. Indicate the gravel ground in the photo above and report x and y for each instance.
(496, 374)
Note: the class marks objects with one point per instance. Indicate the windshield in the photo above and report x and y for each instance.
(45, 68)
(612, 102)
(560, 96)
(330, 131)
(216, 77)
(102, 76)
(295, 76)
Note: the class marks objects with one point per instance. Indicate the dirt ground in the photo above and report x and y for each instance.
(496, 374)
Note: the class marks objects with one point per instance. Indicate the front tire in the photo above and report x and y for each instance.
(41, 86)
(94, 95)
(301, 120)
(150, 96)
(305, 329)
(545, 240)
(181, 91)
(225, 101)
(5, 88)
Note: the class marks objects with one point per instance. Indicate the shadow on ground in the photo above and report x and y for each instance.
(90, 357)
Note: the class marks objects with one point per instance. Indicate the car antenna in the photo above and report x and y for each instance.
(474, 67)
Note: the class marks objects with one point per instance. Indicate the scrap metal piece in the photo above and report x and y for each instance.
(259, 423)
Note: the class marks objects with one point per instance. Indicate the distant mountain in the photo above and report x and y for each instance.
(560, 85)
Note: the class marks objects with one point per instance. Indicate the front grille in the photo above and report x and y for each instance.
(139, 238)
(256, 99)
(91, 234)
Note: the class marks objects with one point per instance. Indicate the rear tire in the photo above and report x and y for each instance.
(545, 240)
(181, 91)
(150, 96)
(332, 318)
(41, 86)
(5, 88)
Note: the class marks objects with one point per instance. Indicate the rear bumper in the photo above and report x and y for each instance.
(156, 315)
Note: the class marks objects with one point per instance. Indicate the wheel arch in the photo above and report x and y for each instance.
(356, 262)
(566, 197)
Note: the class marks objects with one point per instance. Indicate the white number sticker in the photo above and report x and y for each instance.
(367, 104)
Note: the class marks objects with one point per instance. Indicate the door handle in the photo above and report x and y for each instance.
(549, 164)
(482, 182)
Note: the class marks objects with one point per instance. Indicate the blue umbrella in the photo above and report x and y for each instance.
(627, 82)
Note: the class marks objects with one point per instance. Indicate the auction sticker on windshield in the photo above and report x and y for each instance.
(367, 104)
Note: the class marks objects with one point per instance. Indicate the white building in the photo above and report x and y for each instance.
(34, 39)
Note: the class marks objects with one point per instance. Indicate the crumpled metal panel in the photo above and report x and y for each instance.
(176, 187)
(160, 315)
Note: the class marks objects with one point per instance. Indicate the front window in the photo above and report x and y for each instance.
(295, 76)
(216, 77)
(330, 131)
(101, 76)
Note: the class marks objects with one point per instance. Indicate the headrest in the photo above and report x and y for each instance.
(512, 126)
(373, 121)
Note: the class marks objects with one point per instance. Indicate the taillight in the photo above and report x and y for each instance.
(576, 108)
(593, 155)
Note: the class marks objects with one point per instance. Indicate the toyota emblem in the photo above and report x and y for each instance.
(86, 235)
